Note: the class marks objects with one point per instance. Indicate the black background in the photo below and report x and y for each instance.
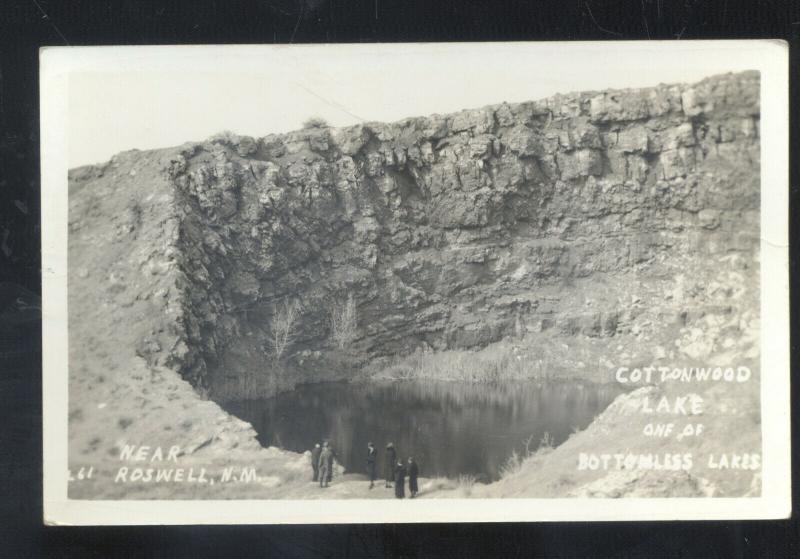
(27, 25)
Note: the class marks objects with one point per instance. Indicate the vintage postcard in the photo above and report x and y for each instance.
(419, 282)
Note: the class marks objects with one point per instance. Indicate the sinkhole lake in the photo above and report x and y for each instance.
(449, 428)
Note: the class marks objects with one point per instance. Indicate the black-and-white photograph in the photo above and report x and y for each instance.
(415, 273)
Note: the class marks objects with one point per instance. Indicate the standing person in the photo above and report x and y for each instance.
(372, 454)
(315, 452)
(331, 459)
(413, 473)
(325, 462)
(400, 480)
(391, 459)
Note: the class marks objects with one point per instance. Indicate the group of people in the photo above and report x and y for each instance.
(395, 471)
(322, 463)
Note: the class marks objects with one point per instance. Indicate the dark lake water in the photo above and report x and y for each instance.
(449, 428)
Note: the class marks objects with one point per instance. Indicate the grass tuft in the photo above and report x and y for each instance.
(465, 484)
(492, 364)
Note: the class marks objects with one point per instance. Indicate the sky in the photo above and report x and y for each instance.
(122, 98)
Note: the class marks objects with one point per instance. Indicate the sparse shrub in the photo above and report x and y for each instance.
(547, 441)
(465, 484)
(283, 329)
(344, 322)
(528, 450)
(512, 465)
(315, 122)
(514, 462)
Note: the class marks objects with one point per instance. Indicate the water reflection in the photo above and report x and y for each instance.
(450, 428)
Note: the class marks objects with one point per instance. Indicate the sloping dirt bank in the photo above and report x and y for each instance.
(583, 232)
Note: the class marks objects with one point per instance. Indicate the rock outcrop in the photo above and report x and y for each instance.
(447, 231)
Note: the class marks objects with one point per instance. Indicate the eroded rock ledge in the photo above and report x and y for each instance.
(448, 231)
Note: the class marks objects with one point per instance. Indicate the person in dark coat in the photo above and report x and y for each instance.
(413, 474)
(400, 480)
(325, 465)
(372, 454)
(391, 460)
(331, 460)
(315, 452)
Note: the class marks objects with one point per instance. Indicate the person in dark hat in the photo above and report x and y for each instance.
(413, 474)
(391, 459)
(400, 480)
(372, 455)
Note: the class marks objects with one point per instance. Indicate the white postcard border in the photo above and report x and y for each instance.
(770, 57)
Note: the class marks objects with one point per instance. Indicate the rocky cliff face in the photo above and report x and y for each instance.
(447, 231)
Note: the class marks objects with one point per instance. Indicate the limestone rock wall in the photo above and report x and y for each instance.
(448, 231)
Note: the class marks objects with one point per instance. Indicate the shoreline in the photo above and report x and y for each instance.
(354, 396)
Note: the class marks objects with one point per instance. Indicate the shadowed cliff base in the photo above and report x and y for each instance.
(580, 233)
